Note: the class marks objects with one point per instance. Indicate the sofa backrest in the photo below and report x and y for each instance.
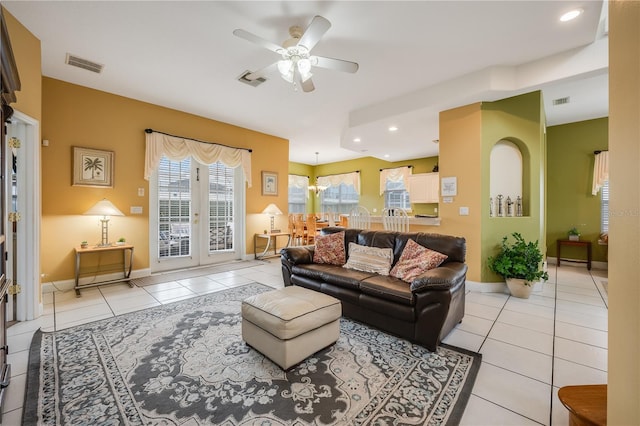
(453, 247)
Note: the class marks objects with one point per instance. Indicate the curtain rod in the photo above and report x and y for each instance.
(399, 167)
(196, 140)
(337, 174)
(598, 152)
(293, 174)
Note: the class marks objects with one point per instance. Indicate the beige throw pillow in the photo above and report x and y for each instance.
(369, 259)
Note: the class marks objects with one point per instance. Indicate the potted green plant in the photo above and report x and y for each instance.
(121, 241)
(574, 234)
(519, 265)
(84, 244)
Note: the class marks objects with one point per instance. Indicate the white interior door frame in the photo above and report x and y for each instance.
(27, 129)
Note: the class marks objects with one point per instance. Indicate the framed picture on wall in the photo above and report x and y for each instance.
(269, 183)
(92, 167)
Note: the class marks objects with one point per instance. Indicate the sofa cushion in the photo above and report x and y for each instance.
(388, 288)
(415, 260)
(369, 259)
(332, 274)
(330, 249)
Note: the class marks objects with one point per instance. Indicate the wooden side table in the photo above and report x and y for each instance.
(586, 244)
(587, 404)
(272, 240)
(127, 264)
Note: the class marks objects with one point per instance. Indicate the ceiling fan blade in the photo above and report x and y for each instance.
(258, 40)
(314, 32)
(334, 64)
(262, 72)
(307, 85)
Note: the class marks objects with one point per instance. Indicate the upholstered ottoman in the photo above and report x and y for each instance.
(290, 324)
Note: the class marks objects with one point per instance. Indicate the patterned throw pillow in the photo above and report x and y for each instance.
(330, 249)
(369, 259)
(415, 260)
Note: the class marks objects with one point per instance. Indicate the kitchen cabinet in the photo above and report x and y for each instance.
(424, 188)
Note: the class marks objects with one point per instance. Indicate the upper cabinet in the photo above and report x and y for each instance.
(424, 188)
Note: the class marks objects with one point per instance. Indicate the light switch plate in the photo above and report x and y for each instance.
(464, 211)
(141, 192)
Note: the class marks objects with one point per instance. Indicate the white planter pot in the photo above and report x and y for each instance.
(574, 237)
(518, 288)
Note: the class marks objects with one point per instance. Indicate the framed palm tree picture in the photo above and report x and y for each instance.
(92, 167)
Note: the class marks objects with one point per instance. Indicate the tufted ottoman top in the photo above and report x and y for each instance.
(291, 311)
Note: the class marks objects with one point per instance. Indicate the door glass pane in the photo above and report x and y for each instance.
(174, 208)
(221, 189)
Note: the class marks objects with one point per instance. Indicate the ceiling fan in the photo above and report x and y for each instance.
(297, 61)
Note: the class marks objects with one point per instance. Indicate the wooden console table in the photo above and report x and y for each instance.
(270, 237)
(127, 264)
(586, 244)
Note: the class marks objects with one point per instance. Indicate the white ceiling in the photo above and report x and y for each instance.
(416, 58)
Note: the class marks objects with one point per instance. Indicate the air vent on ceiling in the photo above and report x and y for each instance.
(561, 101)
(84, 63)
(255, 83)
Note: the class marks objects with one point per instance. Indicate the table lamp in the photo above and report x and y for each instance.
(272, 210)
(104, 208)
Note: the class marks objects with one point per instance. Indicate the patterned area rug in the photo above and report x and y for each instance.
(185, 364)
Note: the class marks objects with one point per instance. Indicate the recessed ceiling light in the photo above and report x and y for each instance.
(572, 14)
(393, 128)
(356, 140)
(386, 156)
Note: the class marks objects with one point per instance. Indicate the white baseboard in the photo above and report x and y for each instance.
(579, 262)
(68, 285)
(480, 287)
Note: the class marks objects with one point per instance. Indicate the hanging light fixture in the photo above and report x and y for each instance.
(317, 188)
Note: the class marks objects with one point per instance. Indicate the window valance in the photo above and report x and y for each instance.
(177, 149)
(600, 171)
(397, 174)
(298, 181)
(352, 178)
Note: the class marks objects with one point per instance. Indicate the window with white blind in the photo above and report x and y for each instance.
(604, 207)
(340, 198)
(221, 197)
(396, 195)
(298, 193)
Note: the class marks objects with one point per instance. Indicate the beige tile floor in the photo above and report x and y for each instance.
(530, 347)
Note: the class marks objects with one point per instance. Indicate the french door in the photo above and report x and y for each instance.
(196, 214)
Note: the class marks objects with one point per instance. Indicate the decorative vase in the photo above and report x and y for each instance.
(518, 288)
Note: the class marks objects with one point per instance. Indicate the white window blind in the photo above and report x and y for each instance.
(221, 196)
(604, 207)
(298, 193)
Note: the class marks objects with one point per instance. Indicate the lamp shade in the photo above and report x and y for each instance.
(272, 210)
(104, 207)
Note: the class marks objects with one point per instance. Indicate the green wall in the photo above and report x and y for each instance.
(570, 170)
(369, 168)
(519, 119)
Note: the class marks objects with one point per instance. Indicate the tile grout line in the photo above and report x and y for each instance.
(553, 347)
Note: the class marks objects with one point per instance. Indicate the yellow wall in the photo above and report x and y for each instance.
(624, 220)
(78, 116)
(26, 50)
(460, 148)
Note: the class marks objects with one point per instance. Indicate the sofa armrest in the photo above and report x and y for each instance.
(297, 255)
(443, 277)
(290, 256)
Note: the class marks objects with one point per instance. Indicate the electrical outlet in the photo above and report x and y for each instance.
(136, 210)
(464, 211)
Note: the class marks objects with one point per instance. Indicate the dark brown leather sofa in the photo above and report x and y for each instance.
(424, 311)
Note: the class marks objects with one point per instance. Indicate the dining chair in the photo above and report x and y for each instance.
(299, 231)
(312, 229)
(359, 218)
(395, 219)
